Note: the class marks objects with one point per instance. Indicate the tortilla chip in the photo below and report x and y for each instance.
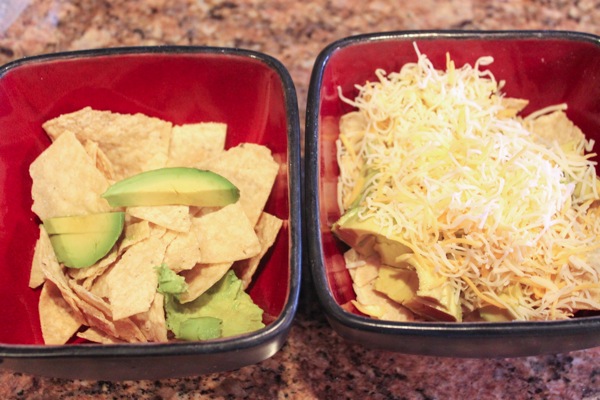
(58, 319)
(89, 274)
(99, 315)
(117, 298)
(200, 278)
(556, 127)
(132, 281)
(66, 181)
(513, 106)
(97, 336)
(98, 286)
(192, 144)
(176, 217)
(152, 323)
(253, 170)
(363, 270)
(54, 272)
(99, 159)
(226, 235)
(183, 252)
(36, 275)
(380, 306)
(85, 306)
(132, 142)
(88, 297)
(266, 229)
(368, 300)
(134, 233)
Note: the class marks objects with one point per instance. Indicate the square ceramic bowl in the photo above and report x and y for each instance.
(251, 92)
(545, 67)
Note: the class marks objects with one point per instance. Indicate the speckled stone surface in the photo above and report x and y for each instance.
(315, 363)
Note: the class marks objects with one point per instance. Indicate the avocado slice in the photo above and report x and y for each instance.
(171, 186)
(77, 248)
(399, 284)
(365, 236)
(419, 288)
(101, 222)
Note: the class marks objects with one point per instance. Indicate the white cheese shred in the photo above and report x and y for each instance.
(444, 162)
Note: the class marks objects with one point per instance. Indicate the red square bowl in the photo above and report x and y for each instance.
(545, 67)
(251, 92)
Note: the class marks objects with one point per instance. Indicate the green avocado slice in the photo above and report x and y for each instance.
(77, 248)
(172, 186)
(367, 238)
(89, 223)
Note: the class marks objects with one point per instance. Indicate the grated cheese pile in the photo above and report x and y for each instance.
(501, 208)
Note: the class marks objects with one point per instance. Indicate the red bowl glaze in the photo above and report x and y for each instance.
(251, 92)
(545, 67)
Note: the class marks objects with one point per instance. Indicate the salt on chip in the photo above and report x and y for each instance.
(266, 229)
(252, 169)
(66, 182)
(132, 142)
(192, 144)
(132, 281)
(58, 320)
(226, 235)
(200, 278)
(175, 217)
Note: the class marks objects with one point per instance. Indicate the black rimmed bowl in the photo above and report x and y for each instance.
(250, 91)
(543, 66)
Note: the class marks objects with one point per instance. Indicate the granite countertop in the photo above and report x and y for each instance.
(314, 363)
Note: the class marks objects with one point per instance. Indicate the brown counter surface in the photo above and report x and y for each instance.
(314, 363)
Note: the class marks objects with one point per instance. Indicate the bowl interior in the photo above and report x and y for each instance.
(545, 71)
(179, 86)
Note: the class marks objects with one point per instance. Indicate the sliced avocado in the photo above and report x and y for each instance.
(366, 238)
(171, 186)
(78, 249)
(423, 293)
(361, 186)
(494, 314)
(224, 309)
(513, 296)
(201, 328)
(435, 299)
(101, 222)
(399, 284)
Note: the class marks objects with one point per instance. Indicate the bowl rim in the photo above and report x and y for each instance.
(316, 260)
(279, 328)
(169, 49)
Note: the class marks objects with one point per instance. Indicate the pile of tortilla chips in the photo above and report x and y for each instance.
(116, 300)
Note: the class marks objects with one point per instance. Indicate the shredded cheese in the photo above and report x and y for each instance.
(444, 163)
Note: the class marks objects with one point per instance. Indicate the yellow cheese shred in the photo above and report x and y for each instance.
(504, 200)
